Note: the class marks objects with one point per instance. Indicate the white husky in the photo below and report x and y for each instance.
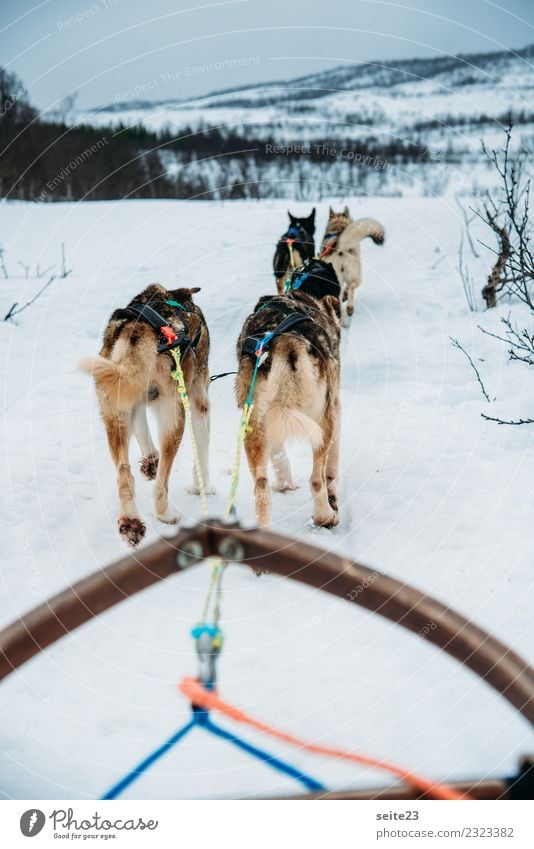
(341, 248)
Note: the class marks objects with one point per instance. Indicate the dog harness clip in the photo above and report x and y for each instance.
(257, 345)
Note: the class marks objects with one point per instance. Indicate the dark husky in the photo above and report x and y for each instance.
(318, 279)
(296, 245)
(296, 396)
(131, 372)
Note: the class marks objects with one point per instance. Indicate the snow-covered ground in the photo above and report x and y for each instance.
(430, 493)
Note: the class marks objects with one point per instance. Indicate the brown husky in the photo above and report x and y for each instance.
(341, 247)
(296, 396)
(130, 374)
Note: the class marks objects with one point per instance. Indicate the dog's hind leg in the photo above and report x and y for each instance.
(200, 416)
(354, 280)
(351, 292)
(345, 321)
(131, 528)
(257, 456)
(171, 420)
(332, 465)
(148, 463)
(282, 469)
(323, 513)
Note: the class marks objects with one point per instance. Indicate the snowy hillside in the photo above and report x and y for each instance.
(430, 493)
(399, 98)
(444, 105)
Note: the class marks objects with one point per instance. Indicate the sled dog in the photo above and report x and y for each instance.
(295, 246)
(133, 371)
(296, 396)
(341, 247)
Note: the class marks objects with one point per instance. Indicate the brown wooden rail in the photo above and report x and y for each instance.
(496, 664)
(520, 786)
(485, 789)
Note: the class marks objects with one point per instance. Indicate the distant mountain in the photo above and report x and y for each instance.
(403, 95)
(408, 113)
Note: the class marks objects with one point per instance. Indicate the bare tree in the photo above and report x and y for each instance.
(520, 340)
(3, 266)
(456, 344)
(64, 270)
(66, 107)
(506, 213)
(15, 309)
(465, 276)
(468, 219)
(497, 279)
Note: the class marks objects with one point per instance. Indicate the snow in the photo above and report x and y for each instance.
(430, 493)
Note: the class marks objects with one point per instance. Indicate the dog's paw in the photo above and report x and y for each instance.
(284, 486)
(148, 466)
(132, 530)
(170, 517)
(332, 500)
(194, 489)
(259, 572)
(327, 521)
(350, 311)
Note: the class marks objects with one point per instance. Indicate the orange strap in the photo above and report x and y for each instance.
(169, 333)
(209, 700)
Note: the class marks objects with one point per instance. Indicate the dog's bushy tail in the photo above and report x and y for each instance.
(289, 386)
(365, 227)
(121, 388)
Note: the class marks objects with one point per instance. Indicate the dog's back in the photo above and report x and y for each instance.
(290, 390)
(129, 367)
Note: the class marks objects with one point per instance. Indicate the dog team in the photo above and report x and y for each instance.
(296, 332)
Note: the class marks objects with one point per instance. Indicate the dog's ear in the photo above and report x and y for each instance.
(310, 221)
(292, 218)
(346, 212)
(332, 306)
(183, 293)
(331, 212)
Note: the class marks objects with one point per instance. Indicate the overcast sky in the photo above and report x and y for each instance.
(105, 49)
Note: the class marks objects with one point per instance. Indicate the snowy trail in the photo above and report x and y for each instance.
(429, 494)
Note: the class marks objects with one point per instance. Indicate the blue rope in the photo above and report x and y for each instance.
(202, 719)
(299, 281)
(307, 781)
(125, 782)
